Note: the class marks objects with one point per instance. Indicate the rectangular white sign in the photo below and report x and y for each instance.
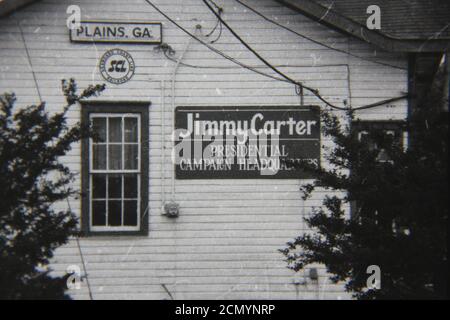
(117, 32)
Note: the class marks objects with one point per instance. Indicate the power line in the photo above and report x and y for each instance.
(218, 24)
(286, 78)
(219, 35)
(283, 79)
(316, 41)
(80, 252)
(29, 61)
(169, 53)
(215, 5)
(64, 186)
(243, 65)
(312, 90)
(213, 29)
(298, 89)
(250, 48)
(84, 267)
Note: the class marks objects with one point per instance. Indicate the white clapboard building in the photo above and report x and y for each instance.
(155, 229)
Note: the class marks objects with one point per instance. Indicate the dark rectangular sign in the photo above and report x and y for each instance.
(245, 142)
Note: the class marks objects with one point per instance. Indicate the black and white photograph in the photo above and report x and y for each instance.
(223, 156)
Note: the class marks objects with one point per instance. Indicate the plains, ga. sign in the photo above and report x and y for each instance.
(117, 32)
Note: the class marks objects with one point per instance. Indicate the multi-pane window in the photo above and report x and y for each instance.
(391, 128)
(382, 155)
(115, 172)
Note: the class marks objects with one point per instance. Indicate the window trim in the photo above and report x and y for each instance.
(387, 125)
(107, 171)
(119, 107)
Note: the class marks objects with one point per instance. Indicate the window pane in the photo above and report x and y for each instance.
(99, 127)
(130, 213)
(365, 138)
(115, 157)
(115, 187)
(115, 129)
(99, 186)
(98, 213)
(383, 156)
(130, 186)
(131, 130)
(115, 148)
(99, 157)
(114, 213)
(131, 156)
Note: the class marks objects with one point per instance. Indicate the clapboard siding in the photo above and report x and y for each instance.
(225, 243)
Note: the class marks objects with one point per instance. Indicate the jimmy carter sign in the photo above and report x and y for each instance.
(244, 142)
(117, 32)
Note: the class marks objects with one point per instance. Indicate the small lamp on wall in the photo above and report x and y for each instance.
(313, 274)
(171, 209)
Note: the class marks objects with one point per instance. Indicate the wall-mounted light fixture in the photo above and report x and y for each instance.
(313, 274)
(171, 209)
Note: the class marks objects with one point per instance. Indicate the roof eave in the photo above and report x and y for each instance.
(9, 6)
(343, 24)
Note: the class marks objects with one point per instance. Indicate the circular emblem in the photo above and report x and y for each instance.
(117, 66)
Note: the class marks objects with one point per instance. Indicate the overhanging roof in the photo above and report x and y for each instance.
(406, 26)
(8, 6)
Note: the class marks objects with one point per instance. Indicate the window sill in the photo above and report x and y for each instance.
(135, 233)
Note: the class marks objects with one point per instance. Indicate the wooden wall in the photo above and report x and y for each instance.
(224, 244)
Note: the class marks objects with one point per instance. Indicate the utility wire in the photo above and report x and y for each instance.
(84, 268)
(213, 29)
(77, 239)
(219, 35)
(298, 89)
(243, 65)
(218, 24)
(169, 54)
(316, 41)
(284, 79)
(250, 48)
(215, 5)
(65, 189)
(301, 85)
(29, 61)
(312, 90)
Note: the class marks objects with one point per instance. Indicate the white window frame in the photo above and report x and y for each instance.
(137, 171)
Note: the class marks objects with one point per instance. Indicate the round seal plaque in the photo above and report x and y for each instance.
(117, 66)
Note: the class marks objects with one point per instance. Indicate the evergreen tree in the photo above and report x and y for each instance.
(398, 217)
(31, 181)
